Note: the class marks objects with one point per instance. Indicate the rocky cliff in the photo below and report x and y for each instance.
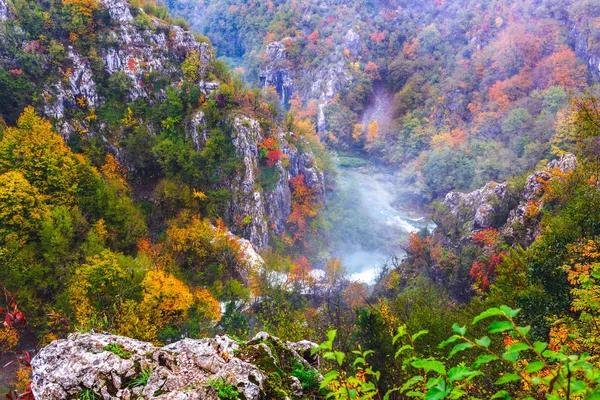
(271, 206)
(507, 209)
(321, 83)
(134, 49)
(114, 367)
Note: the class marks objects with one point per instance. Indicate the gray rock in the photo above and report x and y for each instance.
(181, 370)
(5, 11)
(276, 72)
(269, 206)
(352, 41)
(476, 206)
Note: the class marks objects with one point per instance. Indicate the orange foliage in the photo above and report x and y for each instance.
(372, 70)
(166, 298)
(416, 245)
(458, 136)
(487, 237)
(515, 48)
(313, 37)
(410, 49)
(377, 37)
(532, 210)
(269, 38)
(355, 295)
(509, 90)
(115, 172)
(561, 69)
(206, 305)
(497, 95)
(132, 64)
(305, 206)
(300, 270)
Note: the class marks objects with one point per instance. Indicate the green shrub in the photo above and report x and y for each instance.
(309, 378)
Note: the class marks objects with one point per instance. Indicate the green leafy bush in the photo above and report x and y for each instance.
(226, 391)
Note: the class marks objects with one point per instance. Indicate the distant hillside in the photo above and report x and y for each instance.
(479, 87)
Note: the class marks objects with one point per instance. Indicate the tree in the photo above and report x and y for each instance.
(21, 211)
(372, 132)
(561, 69)
(21, 91)
(515, 122)
(192, 66)
(101, 287)
(209, 254)
(166, 298)
(41, 155)
(79, 15)
(372, 70)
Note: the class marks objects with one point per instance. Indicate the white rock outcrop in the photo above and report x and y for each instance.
(108, 365)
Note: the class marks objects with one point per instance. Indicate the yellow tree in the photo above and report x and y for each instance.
(357, 131)
(210, 252)
(79, 16)
(192, 66)
(166, 298)
(206, 306)
(40, 154)
(100, 288)
(22, 208)
(372, 132)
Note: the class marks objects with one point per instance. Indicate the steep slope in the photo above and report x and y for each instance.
(130, 84)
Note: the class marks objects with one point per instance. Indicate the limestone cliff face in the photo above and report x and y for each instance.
(135, 51)
(267, 207)
(584, 35)
(276, 72)
(5, 12)
(493, 206)
(108, 365)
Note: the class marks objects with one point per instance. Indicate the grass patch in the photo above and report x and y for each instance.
(351, 162)
(118, 350)
(141, 379)
(87, 394)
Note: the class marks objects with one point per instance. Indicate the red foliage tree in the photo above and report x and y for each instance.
(483, 273)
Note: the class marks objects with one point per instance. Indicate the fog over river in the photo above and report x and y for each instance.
(370, 218)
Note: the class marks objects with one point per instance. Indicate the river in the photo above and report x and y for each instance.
(370, 218)
(370, 214)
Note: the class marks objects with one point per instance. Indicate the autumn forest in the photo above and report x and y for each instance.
(410, 187)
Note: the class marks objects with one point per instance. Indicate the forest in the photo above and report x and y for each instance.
(170, 170)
